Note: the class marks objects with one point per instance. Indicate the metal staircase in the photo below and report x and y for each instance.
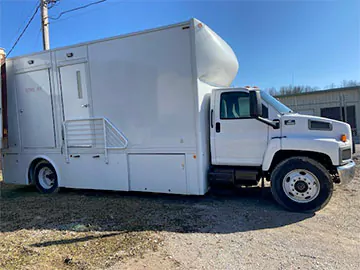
(94, 134)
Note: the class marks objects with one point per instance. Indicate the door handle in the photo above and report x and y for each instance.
(217, 127)
(85, 105)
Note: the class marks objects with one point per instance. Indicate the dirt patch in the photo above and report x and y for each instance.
(47, 249)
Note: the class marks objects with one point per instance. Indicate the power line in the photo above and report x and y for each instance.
(74, 9)
(71, 16)
(53, 3)
(25, 20)
(37, 38)
(26, 27)
(81, 13)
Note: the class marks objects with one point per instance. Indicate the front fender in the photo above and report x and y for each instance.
(327, 146)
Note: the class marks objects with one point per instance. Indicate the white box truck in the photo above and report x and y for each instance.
(153, 111)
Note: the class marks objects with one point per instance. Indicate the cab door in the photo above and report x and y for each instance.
(236, 138)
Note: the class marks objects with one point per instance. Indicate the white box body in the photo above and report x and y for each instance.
(153, 87)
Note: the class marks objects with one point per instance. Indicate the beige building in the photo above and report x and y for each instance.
(340, 104)
(2, 60)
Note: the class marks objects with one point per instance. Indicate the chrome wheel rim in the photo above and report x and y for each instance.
(45, 179)
(301, 186)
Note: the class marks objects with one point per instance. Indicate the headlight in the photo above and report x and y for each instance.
(345, 154)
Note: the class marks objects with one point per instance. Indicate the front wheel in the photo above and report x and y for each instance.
(301, 184)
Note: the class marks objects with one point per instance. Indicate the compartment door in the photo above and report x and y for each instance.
(35, 109)
(164, 173)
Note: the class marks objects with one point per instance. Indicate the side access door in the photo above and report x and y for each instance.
(236, 138)
(80, 130)
(34, 98)
(73, 80)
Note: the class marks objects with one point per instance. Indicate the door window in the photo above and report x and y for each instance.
(234, 105)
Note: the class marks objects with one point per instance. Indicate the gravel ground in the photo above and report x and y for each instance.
(242, 229)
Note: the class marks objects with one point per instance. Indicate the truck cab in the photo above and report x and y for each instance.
(253, 136)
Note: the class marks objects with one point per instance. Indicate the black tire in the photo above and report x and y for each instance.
(40, 185)
(301, 163)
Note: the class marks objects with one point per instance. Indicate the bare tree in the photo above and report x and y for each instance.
(272, 91)
(297, 89)
(349, 83)
(331, 86)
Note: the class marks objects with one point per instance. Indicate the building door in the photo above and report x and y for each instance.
(339, 113)
(74, 88)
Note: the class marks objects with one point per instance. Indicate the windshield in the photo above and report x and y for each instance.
(281, 108)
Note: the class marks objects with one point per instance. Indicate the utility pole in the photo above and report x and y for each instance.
(45, 24)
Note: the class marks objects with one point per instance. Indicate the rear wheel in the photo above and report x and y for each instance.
(301, 184)
(45, 177)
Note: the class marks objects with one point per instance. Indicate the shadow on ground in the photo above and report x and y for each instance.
(222, 212)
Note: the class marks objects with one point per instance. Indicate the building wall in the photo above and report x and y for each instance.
(2, 60)
(313, 102)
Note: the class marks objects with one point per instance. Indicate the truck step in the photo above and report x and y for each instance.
(234, 175)
(221, 177)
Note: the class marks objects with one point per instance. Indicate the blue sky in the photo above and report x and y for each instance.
(312, 43)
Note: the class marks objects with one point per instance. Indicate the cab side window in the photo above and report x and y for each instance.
(234, 105)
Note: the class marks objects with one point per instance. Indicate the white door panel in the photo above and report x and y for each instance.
(35, 109)
(241, 142)
(74, 89)
(236, 139)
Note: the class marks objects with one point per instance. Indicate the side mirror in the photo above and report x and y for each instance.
(255, 103)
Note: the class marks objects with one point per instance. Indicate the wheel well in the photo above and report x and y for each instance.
(32, 167)
(281, 155)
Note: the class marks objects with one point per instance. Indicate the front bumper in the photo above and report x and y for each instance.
(346, 172)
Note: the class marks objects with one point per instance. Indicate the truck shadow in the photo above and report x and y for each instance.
(222, 212)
